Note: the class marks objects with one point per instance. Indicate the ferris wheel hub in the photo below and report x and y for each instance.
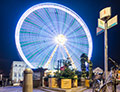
(60, 39)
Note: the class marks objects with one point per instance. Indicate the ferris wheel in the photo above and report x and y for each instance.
(48, 32)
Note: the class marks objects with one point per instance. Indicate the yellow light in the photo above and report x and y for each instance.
(60, 39)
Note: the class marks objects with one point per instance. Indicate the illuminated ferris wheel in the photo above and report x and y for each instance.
(48, 32)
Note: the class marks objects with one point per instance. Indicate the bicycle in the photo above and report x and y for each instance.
(97, 82)
(112, 82)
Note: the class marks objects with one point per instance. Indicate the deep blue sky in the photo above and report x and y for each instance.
(88, 10)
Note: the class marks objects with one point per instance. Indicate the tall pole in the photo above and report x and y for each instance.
(105, 23)
(106, 52)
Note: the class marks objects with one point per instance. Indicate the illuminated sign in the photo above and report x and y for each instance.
(112, 22)
(106, 12)
(99, 30)
(101, 23)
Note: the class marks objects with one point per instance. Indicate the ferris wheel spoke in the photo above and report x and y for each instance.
(27, 43)
(43, 21)
(73, 65)
(50, 58)
(57, 18)
(31, 55)
(77, 36)
(44, 59)
(79, 40)
(76, 47)
(34, 41)
(31, 32)
(37, 52)
(74, 54)
(55, 58)
(79, 43)
(32, 23)
(50, 18)
(63, 56)
(25, 31)
(65, 18)
(39, 27)
(74, 31)
(70, 25)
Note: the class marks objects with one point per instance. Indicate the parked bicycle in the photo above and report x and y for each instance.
(112, 81)
(97, 82)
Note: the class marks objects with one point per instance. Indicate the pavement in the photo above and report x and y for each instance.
(77, 89)
(43, 89)
(16, 89)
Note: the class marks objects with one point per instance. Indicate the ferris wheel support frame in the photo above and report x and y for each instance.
(49, 60)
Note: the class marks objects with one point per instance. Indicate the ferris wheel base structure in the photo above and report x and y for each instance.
(48, 32)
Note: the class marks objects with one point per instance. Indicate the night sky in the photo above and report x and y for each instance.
(88, 10)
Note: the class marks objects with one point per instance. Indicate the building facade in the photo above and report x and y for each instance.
(17, 71)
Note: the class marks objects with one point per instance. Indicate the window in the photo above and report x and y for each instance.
(15, 74)
(19, 75)
(19, 65)
(23, 74)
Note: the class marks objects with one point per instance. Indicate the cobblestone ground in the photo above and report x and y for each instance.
(16, 89)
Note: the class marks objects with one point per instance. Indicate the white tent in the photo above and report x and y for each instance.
(97, 70)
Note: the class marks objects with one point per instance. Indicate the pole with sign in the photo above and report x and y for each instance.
(105, 53)
(105, 23)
